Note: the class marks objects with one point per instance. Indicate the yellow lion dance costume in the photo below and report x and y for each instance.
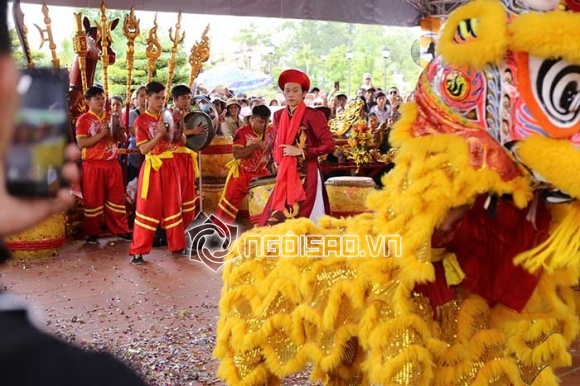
(484, 196)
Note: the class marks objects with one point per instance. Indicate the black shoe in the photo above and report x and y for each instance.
(125, 236)
(92, 240)
(137, 260)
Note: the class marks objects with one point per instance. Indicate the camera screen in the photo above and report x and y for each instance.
(36, 154)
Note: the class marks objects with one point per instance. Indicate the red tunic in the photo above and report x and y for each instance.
(315, 139)
(88, 125)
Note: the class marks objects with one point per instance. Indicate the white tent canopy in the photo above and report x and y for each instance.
(380, 12)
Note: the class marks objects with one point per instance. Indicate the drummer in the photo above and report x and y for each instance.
(186, 158)
(301, 136)
(252, 155)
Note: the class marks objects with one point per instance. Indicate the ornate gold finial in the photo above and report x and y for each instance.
(22, 32)
(199, 55)
(131, 31)
(153, 51)
(81, 49)
(46, 36)
(104, 37)
(177, 40)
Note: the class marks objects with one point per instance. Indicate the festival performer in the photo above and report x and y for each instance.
(251, 153)
(158, 192)
(301, 135)
(479, 283)
(102, 178)
(185, 158)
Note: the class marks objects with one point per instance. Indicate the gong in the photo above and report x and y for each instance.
(200, 141)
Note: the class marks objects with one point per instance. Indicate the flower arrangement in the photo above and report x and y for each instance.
(361, 141)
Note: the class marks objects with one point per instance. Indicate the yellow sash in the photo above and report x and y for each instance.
(152, 161)
(453, 272)
(234, 166)
(183, 149)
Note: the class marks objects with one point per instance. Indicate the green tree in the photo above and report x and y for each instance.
(66, 54)
(306, 41)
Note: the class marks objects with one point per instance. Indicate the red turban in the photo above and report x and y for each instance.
(294, 76)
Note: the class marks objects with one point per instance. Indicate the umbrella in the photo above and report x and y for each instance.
(233, 78)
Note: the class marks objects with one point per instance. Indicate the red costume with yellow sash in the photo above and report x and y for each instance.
(159, 191)
(242, 172)
(102, 179)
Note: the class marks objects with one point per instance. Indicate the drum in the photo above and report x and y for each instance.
(42, 241)
(212, 189)
(244, 214)
(259, 193)
(200, 141)
(347, 195)
(215, 157)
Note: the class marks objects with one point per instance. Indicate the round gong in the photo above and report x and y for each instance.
(196, 118)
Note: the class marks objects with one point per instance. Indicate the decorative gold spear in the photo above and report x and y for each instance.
(131, 31)
(46, 36)
(199, 55)
(103, 37)
(177, 40)
(153, 50)
(22, 32)
(81, 49)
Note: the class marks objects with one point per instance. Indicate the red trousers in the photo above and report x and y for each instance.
(187, 181)
(161, 207)
(103, 194)
(234, 193)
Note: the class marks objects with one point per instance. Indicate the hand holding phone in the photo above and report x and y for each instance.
(36, 154)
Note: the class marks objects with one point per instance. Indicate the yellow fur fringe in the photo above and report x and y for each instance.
(556, 160)
(486, 45)
(547, 35)
(560, 251)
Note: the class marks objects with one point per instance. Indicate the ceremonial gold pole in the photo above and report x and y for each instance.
(153, 50)
(131, 31)
(171, 65)
(22, 32)
(81, 49)
(46, 36)
(199, 55)
(104, 33)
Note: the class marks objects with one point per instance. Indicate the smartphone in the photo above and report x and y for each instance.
(36, 154)
(337, 85)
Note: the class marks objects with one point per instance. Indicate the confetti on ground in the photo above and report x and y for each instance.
(160, 319)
